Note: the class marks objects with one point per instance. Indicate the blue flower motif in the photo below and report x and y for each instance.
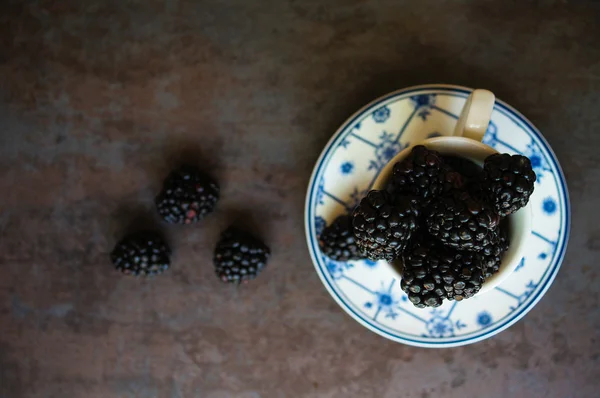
(344, 144)
(423, 102)
(484, 318)
(440, 327)
(549, 206)
(320, 224)
(538, 163)
(320, 191)
(382, 114)
(385, 151)
(347, 168)
(385, 301)
(336, 268)
(542, 256)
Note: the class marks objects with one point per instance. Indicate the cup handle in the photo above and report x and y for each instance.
(475, 116)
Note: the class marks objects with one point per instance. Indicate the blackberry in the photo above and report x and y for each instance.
(239, 256)
(470, 170)
(461, 222)
(508, 181)
(491, 255)
(424, 175)
(383, 227)
(337, 240)
(187, 196)
(432, 272)
(143, 253)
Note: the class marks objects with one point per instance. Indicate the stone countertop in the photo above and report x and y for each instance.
(99, 99)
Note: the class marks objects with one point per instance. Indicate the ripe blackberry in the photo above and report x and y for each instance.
(508, 181)
(143, 253)
(239, 256)
(491, 255)
(337, 240)
(383, 227)
(470, 170)
(461, 222)
(424, 175)
(432, 272)
(187, 196)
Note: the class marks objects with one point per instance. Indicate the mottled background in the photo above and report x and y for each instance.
(99, 99)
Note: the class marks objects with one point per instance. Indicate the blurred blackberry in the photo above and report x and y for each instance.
(432, 272)
(461, 222)
(469, 170)
(508, 181)
(187, 196)
(424, 175)
(383, 227)
(143, 253)
(337, 240)
(491, 255)
(239, 256)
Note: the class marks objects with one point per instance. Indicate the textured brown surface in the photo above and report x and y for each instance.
(98, 99)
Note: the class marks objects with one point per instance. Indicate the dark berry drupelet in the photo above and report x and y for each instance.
(461, 222)
(382, 226)
(187, 196)
(508, 182)
(143, 253)
(423, 175)
(337, 241)
(432, 272)
(239, 256)
(491, 255)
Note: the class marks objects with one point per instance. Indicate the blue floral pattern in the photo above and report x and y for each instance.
(382, 114)
(385, 301)
(320, 225)
(484, 318)
(423, 104)
(320, 191)
(439, 327)
(387, 148)
(336, 268)
(549, 206)
(538, 162)
(371, 292)
(347, 168)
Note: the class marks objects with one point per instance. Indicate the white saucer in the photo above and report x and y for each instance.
(368, 291)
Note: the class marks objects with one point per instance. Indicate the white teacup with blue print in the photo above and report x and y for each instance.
(466, 143)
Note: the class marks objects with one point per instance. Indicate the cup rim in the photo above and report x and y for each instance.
(520, 221)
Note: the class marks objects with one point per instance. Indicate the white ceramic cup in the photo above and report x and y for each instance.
(466, 143)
